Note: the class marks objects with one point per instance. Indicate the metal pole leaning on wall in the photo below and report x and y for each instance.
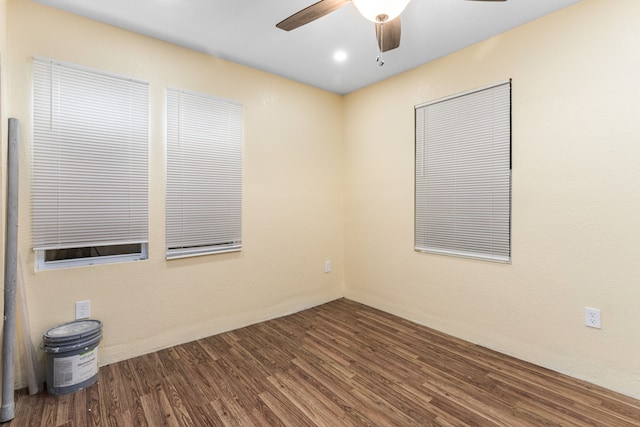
(7, 411)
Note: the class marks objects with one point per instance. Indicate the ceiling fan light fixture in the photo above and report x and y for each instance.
(372, 9)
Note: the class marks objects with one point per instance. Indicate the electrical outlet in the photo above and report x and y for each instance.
(83, 309)
(327, 266)
(592, 317)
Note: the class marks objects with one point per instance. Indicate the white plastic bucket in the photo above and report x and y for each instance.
(72, 355)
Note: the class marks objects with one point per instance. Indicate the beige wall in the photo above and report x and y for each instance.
(576, 197)
(3, 118)
(292, 219)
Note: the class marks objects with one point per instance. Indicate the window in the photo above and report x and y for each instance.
(463, 175)
(204, 174)
(90, 166)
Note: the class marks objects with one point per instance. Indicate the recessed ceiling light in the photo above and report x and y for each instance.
(340, 56)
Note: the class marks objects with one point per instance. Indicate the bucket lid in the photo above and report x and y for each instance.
(71, 345)
(73, 330)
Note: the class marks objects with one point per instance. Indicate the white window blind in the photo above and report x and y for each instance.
(463, 175)
(90, 157)
(204, 174)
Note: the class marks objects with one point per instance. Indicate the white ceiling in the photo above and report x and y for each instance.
(244, 31)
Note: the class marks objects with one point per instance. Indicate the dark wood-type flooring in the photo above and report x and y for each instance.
(339, 364)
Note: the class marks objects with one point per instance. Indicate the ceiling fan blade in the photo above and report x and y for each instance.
(311, 13)
(388, 35)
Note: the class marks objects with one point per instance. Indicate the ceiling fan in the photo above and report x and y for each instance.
(384, 13)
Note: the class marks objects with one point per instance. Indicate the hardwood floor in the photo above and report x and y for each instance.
(339, 364)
